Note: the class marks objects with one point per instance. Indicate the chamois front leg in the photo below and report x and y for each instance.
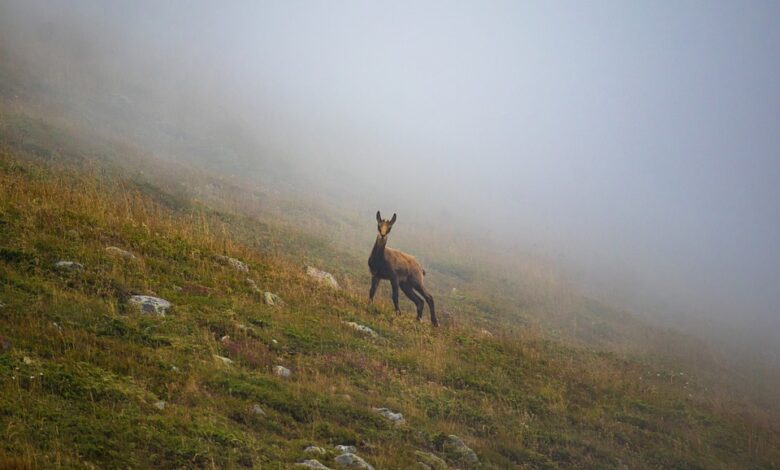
(372, 291)
(394, 283)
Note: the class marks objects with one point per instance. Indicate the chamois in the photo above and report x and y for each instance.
(401, 269)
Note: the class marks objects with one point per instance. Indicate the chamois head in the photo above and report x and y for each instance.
(384, 226)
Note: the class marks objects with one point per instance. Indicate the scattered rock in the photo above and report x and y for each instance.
(160, 405)
(323, 277)
(69, 265)
(396, 418)
(346, 449)
(236, 264)
(362, 328)
(312, 463)
(151, 305)
(282, 371)
(120, 252)
(272, 299)
(174, 369)
(315, 450)
(27, 361)
(225, 360)
(253, 286)
(257, 410)
(455, 447)
(429, 461)
(350, 460)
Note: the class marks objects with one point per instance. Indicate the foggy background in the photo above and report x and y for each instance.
(635, 145)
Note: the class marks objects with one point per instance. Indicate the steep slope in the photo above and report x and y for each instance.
(88, 380)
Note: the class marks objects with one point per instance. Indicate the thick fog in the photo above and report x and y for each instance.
(635, 143)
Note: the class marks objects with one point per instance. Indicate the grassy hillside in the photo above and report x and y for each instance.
(88, 381)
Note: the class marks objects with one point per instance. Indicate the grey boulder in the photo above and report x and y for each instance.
(151, 305)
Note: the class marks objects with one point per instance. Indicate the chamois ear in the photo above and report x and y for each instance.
(392, 221)
(378, 217)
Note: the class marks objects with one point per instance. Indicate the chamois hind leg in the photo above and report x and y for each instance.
(418, 302)
(419, 287)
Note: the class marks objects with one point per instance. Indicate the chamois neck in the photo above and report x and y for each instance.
(379, 246)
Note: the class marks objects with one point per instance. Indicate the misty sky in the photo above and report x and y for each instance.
(637, 141)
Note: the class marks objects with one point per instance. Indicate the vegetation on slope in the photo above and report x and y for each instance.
(82, 371)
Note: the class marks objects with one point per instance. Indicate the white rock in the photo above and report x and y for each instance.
(119, 252)
(253, 286)
(315, 450)
(272, 299)
(361, 328)
(151, 305)
(312, 463)
(257, 410)
(346, 449)
(160, 405)
(458, 449)
(236, 264)
(350, 460)
(225, 360)
(282, 371)
(72, 265)
(396, 418)
(323, 277)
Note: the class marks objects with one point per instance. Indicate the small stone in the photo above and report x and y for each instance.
(315, 450)
(350, 460)
(396, 418)
(174, 369)
(312, 463)
(429, 461)
(119, 252)
(236, 264)
(274, 341)
(322, 277)
(27, 361)
(282, 371)
(272, 299)
(362, 328)
(455, 446)
(257, 410)
(225, 360)
(253, 286)
(346, 449)
(151, 305)
(69, 265)
(160, 405)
